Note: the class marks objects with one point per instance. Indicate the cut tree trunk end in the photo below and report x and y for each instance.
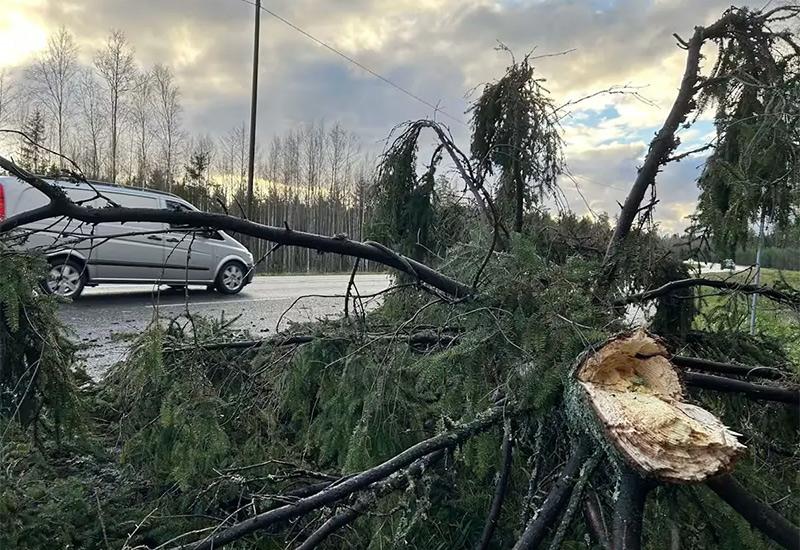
(637, 397)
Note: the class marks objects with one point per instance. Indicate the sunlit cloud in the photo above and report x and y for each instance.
(21, 35)
(436, 49)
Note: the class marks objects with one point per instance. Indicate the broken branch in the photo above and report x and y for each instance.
(355, 483)
(637, 397)
(660, 149)
(61, 205)
(757, 513)
(557, 498)
(753, 391)
(766, 291)
(500, 488)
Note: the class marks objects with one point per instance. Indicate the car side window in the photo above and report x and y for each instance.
(177, 207)
(85, 197)
(136, 201)
(88, 197)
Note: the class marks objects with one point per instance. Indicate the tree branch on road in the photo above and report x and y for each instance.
(61, 205)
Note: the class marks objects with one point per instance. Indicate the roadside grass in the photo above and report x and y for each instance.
(732, 311)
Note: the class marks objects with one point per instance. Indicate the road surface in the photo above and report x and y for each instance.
(706, 267)
(105, 319)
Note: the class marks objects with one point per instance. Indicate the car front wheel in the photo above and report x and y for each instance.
(231, 278)
(66, 278)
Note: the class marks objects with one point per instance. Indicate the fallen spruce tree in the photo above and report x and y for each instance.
(499, 400)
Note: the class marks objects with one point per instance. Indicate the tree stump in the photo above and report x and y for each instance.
(637, 397)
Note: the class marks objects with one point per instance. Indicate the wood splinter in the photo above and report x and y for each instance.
(636, 394)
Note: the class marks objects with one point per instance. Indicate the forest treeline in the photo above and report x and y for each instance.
(781, 249)
(122, 122)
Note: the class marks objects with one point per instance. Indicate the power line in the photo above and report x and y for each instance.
(598, 183)
(358, 64)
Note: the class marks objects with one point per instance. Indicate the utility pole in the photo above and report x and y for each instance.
(253, 102)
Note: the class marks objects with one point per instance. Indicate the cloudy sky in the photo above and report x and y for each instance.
(437, 49)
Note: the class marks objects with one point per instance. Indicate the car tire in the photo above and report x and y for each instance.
(66, 278)
(231, 278)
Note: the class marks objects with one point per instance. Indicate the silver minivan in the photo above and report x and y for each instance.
(83, 255)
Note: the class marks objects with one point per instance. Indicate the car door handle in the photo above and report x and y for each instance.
(154, 237)
(173, 240)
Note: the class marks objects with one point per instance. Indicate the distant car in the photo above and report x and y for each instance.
(83, 255)
(728, 264)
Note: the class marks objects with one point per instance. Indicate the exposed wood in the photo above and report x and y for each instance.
(540, 524)
(748, 389)
(638, 399)
(759, 514)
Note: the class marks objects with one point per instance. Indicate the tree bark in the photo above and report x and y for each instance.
(355, 483)
(753, 391)
(594, 519)
(538, 527)
(629, 510)
(756, 512)
(696, 363)
(499, 490)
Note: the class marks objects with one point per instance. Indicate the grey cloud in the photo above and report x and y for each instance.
(436, 52)
(605, 175)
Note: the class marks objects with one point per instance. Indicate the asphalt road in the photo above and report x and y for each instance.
(105, 319)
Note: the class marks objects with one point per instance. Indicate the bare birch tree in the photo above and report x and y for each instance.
(116, 66)
(52, 77)
(142, 103)
(168, 109)
(7, 97)
(92, 122)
